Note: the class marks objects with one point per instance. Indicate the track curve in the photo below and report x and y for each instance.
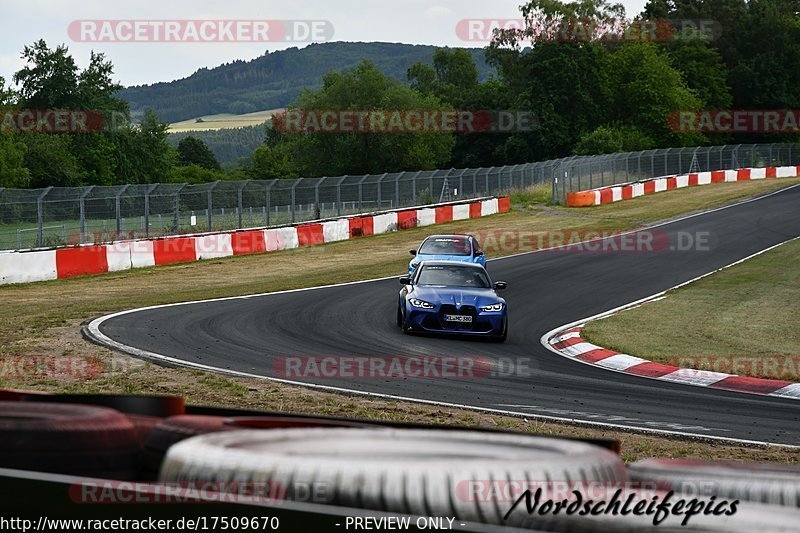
(546, 289)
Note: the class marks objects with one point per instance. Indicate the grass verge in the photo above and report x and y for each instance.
(742, 320)
(42, 319)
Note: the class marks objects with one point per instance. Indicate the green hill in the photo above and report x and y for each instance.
(272, 80)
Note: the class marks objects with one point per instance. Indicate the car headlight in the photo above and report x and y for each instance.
(420, 303)
(492, 308)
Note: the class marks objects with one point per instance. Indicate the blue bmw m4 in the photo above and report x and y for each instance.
(452, 297)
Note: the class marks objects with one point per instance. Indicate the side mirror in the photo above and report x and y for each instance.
(405, 280)
(500, 285)
(478, 254)
(412, 252)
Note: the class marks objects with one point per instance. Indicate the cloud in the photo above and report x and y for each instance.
(437, 11)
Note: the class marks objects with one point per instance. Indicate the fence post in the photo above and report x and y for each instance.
(339, 195)
(267, 201)
(82, 201)
(414, 188)
(239, 200)
(317, 207)
(613, 171)
(380, 190)
(361, 193)
(488, 171)
(117, 202)
(147, 194)
(176, 213)
(627, 172)
(294, 213)
(210, 204)
(446, 182)
(397, 189)
(40, 216)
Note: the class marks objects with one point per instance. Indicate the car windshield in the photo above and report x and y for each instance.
(453, 276)
(445, 246)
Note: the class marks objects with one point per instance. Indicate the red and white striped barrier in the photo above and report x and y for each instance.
(42, 265)
(570, 344)
(625, 191)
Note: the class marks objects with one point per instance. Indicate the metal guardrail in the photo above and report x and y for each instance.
(589, 172)
(31, 218)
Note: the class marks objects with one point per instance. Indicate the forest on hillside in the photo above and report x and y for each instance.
(274, 79)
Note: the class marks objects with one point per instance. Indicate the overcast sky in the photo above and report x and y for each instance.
(409, 21)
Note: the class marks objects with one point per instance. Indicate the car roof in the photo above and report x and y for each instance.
(444, 262)
(449, 235)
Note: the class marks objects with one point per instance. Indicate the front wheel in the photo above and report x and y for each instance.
(399, 317)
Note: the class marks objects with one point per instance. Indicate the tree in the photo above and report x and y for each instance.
(7, 95)
(49, 80)
(452, 76)
(646, 89)
(615, 138)
(765, 64)
(97, 89)
(566, 86)
(547, 20)
(143, 155)
(50, 161)
(13, 173)
(704, 72)
(364, 88)
(193, 151)
(193, 174)
(273, 162)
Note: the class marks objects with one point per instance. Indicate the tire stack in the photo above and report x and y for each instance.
(768, 483)
(406, 471)
(80, 440)
(471, 476)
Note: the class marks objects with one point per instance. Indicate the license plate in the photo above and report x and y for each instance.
(458, 318)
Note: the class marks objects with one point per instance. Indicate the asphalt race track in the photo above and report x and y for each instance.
(546, 289)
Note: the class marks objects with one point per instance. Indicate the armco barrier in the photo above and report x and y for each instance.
(42, 265)
(625, 191)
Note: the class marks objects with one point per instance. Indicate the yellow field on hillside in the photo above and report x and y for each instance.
(223, 121)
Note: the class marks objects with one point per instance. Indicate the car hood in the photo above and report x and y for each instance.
(457, 296)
